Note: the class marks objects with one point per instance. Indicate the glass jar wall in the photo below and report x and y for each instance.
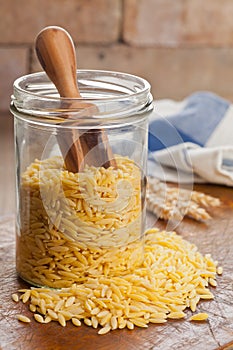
(81, 176)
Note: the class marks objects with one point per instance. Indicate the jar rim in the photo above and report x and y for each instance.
(21, 79)
(115, 94)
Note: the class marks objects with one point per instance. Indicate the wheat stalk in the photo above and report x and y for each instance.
(174, 203)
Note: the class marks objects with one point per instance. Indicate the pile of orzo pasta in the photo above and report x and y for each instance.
(102, 276)
(173, 276)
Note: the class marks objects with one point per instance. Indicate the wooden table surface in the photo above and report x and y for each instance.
(215, 237)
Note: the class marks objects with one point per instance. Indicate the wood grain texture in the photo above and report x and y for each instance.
(215, 237)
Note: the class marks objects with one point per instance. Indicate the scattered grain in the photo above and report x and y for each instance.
(32, 308)
(39, 318)
(114, 323)
(52, 314)
(47, 319)
(26, 296)
(176, 315)
(104, 330)
(15, 297)
(76, 322)
(87, 321)
(202, 316)
(94, 322)
(61, 320)
(129, 325)
(23, 318)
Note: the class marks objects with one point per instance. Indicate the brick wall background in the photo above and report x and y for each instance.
(180, 46)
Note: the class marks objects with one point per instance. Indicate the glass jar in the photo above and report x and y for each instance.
(81, 176)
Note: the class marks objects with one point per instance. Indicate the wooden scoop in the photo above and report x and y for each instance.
(56, 53)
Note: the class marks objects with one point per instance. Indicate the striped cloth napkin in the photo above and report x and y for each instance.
(192, 140)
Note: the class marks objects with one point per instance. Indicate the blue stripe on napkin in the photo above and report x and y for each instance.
(202, 113)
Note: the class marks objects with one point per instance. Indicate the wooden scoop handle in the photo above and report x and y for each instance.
(56, 53)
